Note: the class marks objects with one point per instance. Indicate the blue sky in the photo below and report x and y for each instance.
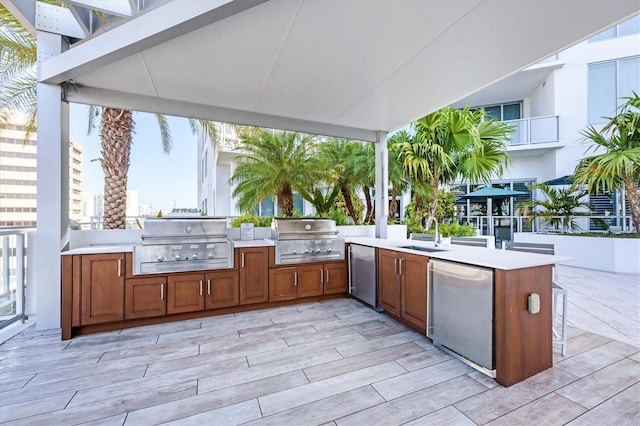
(161, 180)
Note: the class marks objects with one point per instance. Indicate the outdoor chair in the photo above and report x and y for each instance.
(557, 290)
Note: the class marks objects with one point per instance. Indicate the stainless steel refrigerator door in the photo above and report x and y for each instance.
(363, 268)
(461, 304)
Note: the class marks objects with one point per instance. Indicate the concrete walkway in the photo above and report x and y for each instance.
(603, 303)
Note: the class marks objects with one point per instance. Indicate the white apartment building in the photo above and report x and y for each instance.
(548, 103)
(18, 175)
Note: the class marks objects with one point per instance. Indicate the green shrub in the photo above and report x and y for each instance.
(258, 221)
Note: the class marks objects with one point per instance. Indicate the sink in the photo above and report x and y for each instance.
(421, 248)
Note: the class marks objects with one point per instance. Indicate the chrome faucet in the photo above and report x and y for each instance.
(437, 236)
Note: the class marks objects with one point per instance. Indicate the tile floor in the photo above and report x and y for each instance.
(335, 362)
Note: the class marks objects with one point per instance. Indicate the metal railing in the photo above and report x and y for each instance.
(13, 274)
(534, 130)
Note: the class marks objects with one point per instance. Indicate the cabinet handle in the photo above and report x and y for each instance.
(119, 267)
(295, 279)
(399, 266)
(242, 259)
(200, 287)
(395, 265)
(321, 276)
(208, 286)
(161, 291)
(327, 271)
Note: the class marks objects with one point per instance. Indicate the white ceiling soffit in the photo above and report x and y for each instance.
(363, 65)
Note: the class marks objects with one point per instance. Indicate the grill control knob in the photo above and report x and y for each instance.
(317, 250)
(178, 257)
(160, 259)
(306, 251)
(187, 229)
(194, 257)
(329, 250)
(210, 255)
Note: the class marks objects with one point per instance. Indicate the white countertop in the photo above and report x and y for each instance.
(490, 258)
(101, 248)
(252, 243)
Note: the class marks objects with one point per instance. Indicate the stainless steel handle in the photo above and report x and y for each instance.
(200, 287)
(242, 259)
(399, 266)
(349, 272)
(119, 267)
(321, 276)
(161, 291)
(429, 331)
(295, 279)
(395, 265)
(327, 271)
(208, 286)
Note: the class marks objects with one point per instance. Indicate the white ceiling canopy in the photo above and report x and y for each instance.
(336, 67)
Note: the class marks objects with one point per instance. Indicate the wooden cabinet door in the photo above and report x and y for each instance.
(310, 280)
(223, 289)
(335, 278)
(145, 297)
(414, 289)
(283, 284)
(185, 293)
(254, 275)
(389, 281)
(102, 288)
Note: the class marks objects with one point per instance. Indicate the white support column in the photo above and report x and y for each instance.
(382, 184)
(52, 190)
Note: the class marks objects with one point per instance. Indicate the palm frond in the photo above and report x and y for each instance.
(165, 133)
(209, 128)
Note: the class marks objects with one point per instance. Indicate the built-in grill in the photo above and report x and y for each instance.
(183, 244)
(303, 240)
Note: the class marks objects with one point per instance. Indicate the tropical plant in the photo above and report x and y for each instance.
(340, 205)
(272, 163)
(18, 58)
(367, 178)
(619, 165)
(559, 208)
(398, 183)
(453, 144)
(456, 230)
(258, 221)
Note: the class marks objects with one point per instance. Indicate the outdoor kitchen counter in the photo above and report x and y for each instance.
(490, 258)
(100, 249)
(253, 243)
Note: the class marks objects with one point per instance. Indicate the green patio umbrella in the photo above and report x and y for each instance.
(488, 193)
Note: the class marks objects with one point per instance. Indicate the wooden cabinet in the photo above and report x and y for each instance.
(310, 280)
(185, 293)
(283, 284)
(102, 288)
(254, 275)
(335, 278)
(145, 297)
(402, 279)
(223, 289)
(296, 282)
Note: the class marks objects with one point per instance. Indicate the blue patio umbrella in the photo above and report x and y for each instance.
(487, 193)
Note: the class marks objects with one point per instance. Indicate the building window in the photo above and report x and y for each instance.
(503, 112)
(609, 82)
(266, 207)
(628, 27)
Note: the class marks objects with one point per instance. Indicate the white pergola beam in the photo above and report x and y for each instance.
(83, 17)
(130, 101)
(24, 11)
(112, 7)
(57, 20)
(140, 33)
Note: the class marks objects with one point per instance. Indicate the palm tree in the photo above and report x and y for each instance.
(619, 166)
(397, 181)
(451, 144)
(18, 58)
(559, 207)
(272, 163)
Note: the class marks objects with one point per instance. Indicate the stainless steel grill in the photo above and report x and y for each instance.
(183, 244)
(304, 240)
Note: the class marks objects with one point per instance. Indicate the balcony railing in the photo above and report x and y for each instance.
(13, 267)
(534, 130)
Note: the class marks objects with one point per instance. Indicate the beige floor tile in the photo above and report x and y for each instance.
(117, 420)
(209, 384)
(603, 384)
(12, 383)
(330, 333)
(352, 349)
(341, 366)
(424, 359)
(551, 409)
(144, 384)
(35, 341)
(596, 358)
(35, 407)
(622, 409)
(311, 392)
(483, 379)
(415, 405)
(325, 410)
(448, 416)
(230, 415)
(203, 402)
(585, 342)
(499, 401)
